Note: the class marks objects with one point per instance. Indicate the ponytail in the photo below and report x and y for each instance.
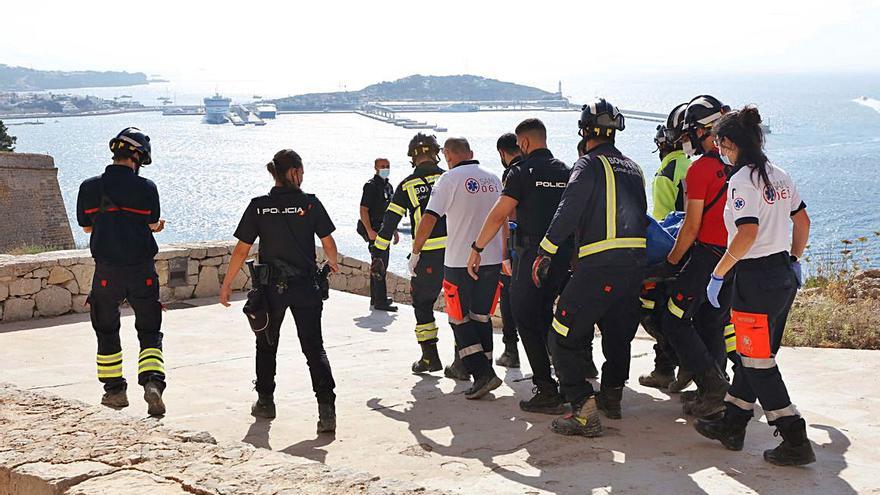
(743, 127)
(282, 163)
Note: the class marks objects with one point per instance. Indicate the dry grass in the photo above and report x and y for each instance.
(19, 251)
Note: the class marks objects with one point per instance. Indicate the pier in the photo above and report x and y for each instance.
(388, 115)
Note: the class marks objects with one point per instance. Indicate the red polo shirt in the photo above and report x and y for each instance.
(704, 180)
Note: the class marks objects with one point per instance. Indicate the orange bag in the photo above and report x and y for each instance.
(752, 334)
(496, 298)
(453, 302)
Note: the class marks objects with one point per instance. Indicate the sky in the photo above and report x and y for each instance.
(331, 45)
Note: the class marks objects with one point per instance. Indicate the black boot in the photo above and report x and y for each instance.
(326, 417)
(430, 360)
(509, 358)
(730, 430)
(264, 407)
(456, 370)
(713, 388)
(153, 398)
(546, 400)
(681, 382)
(656, 379)
(608, 401)
(795, 449)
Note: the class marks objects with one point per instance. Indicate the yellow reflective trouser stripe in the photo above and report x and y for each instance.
(730, 338)
(426, 331)
(647, 303)
(605, 245)
(396, 208)
(151, 360)
(610, 200)
(381, 243)
(109, 365)
(548, 246)
(560, 328)
(675, 310)
(434, 244)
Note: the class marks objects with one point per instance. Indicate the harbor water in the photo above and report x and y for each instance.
(823, 133)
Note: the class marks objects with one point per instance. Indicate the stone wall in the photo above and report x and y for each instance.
(50, 445)
(32, 209)
(58, 282)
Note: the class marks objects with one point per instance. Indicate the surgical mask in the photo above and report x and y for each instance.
(384, 172)
(726, 160)
(688, 148)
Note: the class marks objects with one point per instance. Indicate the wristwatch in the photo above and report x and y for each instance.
(475, 248)
(794, 259)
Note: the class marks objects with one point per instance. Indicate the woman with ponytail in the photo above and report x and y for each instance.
(286, 221)
(762, 253)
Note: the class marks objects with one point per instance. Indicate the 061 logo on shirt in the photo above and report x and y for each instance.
(774, 193)
(474, 186)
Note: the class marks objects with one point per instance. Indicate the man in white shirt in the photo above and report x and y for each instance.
(465, 195)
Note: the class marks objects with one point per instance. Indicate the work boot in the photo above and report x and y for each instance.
(583, 421)
(546, 400)
(153, 396)
(456, 370)
(509, 358)
(385, 306)
(117, 399)
(483, 385)
(608, 401)
(681, 382)
(592, 372)
(795, 449)
(730, 429)
(656, 379)
(326, 417)
(688, 396)
(264, 407)
(713, 388)
(430, 360)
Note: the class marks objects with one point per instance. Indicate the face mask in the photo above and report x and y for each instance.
(384, 172)
(726, 160)
(688, 148)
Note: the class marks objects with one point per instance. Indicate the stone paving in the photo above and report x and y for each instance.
(421, 430)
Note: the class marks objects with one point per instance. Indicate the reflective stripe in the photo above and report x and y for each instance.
(426, 331)
(417, 219)
(606, 244)
(548, 246)
(560, 328)
(729, 330)
(151, 360)
(758, 363)
(109, 365)
(675, 310)
(730, 338)
(396, 208)
(434, 244)
(647, 303)
(489, 355)
(108, 358)
(459, 322)
(471, 349)
(430, 179)
(610, 200)
(381, 243)
(789, 410)
(480, 318)
(736, 401)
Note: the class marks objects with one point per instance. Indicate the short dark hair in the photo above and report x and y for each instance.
(457, 145)
(283, 162)
(532, 125)
(507, 142)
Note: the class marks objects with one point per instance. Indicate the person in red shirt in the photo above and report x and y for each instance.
(695, 328)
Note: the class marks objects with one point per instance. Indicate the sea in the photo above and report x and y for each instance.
(825, 131)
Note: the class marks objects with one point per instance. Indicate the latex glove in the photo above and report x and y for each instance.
(540, 269)
(413, 262)
(713, 289)
(798, 273)
(506, 269)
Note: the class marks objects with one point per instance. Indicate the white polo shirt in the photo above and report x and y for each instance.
(465, 195)
(770, 206)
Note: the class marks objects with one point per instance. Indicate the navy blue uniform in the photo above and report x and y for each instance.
(286, 222)
(376, 198)
(605, 206)
(119, 206)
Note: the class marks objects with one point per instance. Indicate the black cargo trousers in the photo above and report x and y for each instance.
(469, 305)
(139, 285)
(425, 288)
(652, 298)
(378, 274)
(303, 300)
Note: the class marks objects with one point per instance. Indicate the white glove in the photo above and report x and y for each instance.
(413, 261)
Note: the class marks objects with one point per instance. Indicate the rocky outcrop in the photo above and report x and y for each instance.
(50, 445)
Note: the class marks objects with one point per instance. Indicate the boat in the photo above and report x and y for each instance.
(266, 110)
(217, 109)
(440, 129)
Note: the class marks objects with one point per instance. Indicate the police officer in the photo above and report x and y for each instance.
(763, 252)
(374, 201)
(510, 155)
(464, 195)
(668, 194)
(533, 189)
(286, 222)
(695, 329)
(605, 205)
(411, 197)
(120, 210)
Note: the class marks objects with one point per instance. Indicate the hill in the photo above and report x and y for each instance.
(24, 79)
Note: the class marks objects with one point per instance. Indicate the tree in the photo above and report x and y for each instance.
(7, 142)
